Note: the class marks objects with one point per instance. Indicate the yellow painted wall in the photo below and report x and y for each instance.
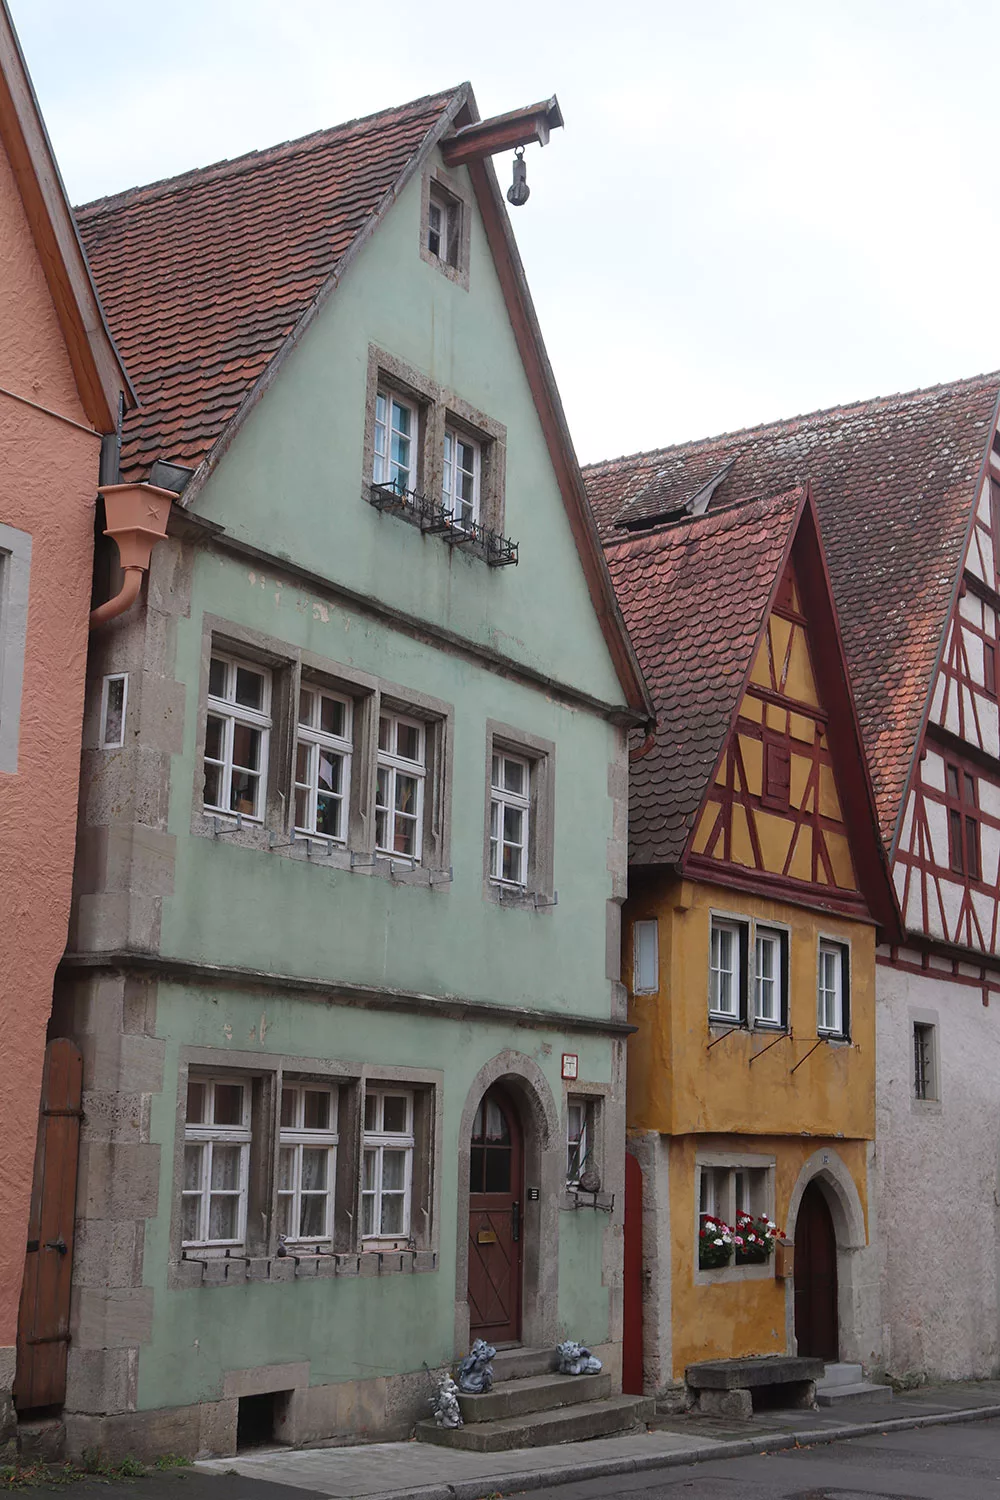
(676, 1085)
(729, 1319)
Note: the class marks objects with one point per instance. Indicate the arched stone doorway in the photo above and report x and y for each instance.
(517, 1084)
(833, 1282)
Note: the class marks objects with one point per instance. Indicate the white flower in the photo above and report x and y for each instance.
(752, 1238)
(717, 1242)
(709, 1227)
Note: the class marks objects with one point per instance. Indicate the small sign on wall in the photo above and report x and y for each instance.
(570, 1065)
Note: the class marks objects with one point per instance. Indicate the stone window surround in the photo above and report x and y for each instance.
(437, 406)
(732, 1159)
(456, 188)
(15, 571)
(918, 1016)
(346, 1257)
(745, 1021)
(289, 666)
(596, 1094)
(539, 892)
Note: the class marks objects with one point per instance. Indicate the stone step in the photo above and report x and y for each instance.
(567, 1424)
(41, 1439)
(523, 1364)
(517, 1398)
(840, 1374)
(845, 1395)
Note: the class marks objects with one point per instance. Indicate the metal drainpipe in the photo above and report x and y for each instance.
(137, 517)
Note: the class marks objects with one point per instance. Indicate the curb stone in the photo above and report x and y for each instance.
(774, 1442)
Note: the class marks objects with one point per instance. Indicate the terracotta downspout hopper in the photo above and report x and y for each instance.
(137, 519)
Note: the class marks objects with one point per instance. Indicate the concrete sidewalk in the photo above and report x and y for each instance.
(422, 1471)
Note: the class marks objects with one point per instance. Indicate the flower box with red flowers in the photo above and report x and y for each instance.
(753, 1239)
(715, 1243)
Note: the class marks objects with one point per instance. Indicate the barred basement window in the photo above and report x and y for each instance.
(114, 697)
(923, 1062)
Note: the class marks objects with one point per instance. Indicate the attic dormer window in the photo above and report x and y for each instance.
(444, 222)
(444, 225)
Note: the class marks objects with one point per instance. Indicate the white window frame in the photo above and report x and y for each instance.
(581, 1144)
(778, 939)
(500, 800)
(464, 512)
(383, 463)
(318, 740)
(735, 930)
(449, 234)
(208, 1136)
(299, 1138)
(396, 765)
(645, 957)
(380, 1140)
(718, 1180)
(113, 677)
(15, 577)
(841, 954)
(233, 713)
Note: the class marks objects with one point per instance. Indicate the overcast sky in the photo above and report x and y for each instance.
(753, 211)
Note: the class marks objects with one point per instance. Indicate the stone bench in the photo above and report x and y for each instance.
(734, 1387)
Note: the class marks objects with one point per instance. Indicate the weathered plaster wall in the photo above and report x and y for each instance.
(938, 1184)
(49, 475)
(677, 1085)
(293, 479)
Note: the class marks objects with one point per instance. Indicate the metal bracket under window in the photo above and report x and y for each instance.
(220, 832)
(357, 863)
(583, 1199)
(441, 877)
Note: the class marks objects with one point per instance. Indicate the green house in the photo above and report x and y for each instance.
(343, 962)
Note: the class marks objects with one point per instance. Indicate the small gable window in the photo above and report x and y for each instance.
(777, 773)
(444, 225)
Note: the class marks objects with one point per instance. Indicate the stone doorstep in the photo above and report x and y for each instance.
(523, 1363)
(517, 1398)
(840, 1374)
(857, 1392)
(567, 1424)
(745, 1374)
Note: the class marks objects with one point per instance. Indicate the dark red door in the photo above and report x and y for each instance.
(816, 1278)
(632, 1312)
(43, 1320)
(495, 1198)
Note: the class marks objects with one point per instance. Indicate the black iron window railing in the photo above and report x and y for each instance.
(431, 516)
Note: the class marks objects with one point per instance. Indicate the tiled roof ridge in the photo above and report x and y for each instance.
(872, 403)
(722, 518)
(236, 165)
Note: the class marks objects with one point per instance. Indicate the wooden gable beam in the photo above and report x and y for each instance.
(503, 132)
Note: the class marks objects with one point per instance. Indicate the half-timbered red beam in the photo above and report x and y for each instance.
(503, 132)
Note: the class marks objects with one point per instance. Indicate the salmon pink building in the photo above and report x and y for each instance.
(61, 389)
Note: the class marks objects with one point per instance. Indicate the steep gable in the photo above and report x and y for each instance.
(894, 481)
(756, 770)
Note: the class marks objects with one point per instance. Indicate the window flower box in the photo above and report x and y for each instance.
(715, 1243)
(753, 1239)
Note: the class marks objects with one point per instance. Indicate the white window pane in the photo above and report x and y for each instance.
(394, 1113)
(408, 741)
(369, 1169)
(288, 1101)
(645, 959)
(249, 688)
(307, 706)
(371, 1111)
(228, 1104)
(312, 1224)
(217, 672)
(392, 1213)
(515, 777)
(286, 1169)
(393, 1171)
(314, 1169)
(333, 716)
(190, 1214)
(196, 1101)
(226, 1166)
(317, 1109)
(192, 1167)
(286, 1212)
(223, 1217)
(367, 1214)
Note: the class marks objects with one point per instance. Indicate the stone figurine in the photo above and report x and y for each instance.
(575, 1359)
(447, 1412)
(475, 1373)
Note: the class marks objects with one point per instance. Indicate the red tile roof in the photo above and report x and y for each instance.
(203, 276)
(894, 485)
(694, 596)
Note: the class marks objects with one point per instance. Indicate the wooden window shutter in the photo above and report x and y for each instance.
(777, 773)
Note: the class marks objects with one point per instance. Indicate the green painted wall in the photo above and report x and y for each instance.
(350, 1328)
(292, 480)
(264, 911)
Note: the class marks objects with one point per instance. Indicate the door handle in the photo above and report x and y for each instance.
(515, 1220)
(59, 1244)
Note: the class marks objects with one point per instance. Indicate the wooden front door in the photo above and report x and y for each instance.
(495, 1199)
(816, 1330)
(43, 1320)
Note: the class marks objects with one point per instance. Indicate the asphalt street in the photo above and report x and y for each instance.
(930, 1463)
